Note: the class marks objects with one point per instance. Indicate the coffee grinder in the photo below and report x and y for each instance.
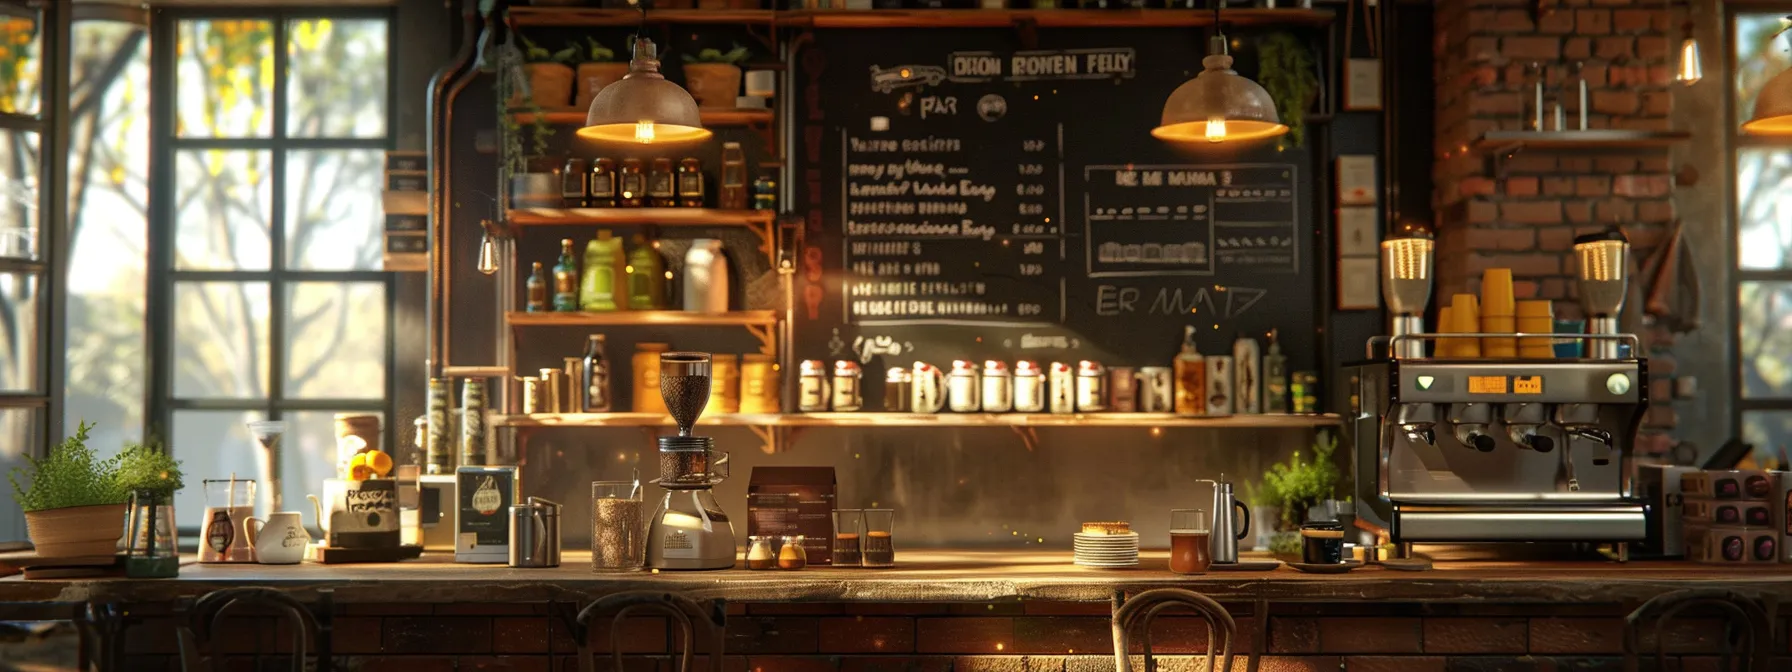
(689, 530)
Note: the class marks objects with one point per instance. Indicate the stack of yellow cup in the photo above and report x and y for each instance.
(1446, 323)
(1497, 313)
(1465, 309)
(1536, 317)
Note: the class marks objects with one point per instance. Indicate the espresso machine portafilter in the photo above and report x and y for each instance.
(1406, 258)
(1604, 261)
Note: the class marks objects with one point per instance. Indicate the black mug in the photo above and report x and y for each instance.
(1322, 543)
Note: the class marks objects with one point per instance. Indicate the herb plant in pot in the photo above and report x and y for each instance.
(599, 70)
(74, 501)
(550, 78)
(152, 477)
(713, 76)
(1296, 485)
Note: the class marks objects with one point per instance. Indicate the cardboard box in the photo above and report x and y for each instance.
(1732, 545)
(482, 524)
(1660, 487)
(1728, 513)
(1753, 485)
(783, 501)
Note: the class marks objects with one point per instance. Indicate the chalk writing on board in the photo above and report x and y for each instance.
(1217, 302)
(971, 67)
(870, 348)
(1156, 220)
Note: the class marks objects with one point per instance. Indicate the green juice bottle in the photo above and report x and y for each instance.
(601, 290)
(646, 276)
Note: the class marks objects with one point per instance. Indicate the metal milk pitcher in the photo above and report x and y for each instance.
(1227, 528)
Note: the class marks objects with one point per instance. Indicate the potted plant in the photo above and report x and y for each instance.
(713, 76)
(152, 476)
(73, 501)
(1296, 485)
(598, 71)
(549, 76)
(1286, 70)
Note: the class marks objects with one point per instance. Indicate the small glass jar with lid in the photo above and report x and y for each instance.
(759, 553)
(792, 555)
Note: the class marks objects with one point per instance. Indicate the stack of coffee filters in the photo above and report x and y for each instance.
(1107, 546)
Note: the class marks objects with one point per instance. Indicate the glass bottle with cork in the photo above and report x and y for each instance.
(690, 183)
(595, 376)
(733, 195)
(537, 289)
(632, 187)
(574, 187)
(566, 280)
(661, 189)
(601, 192)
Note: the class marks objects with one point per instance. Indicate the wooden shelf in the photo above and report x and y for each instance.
(922, 18)
(623, 318)
(1141, 420)
(1596, 139)
(639, 217)
(712, 118)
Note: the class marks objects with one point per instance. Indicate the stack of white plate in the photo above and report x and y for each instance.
(1107, 550)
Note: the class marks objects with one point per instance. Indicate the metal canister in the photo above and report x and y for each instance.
(438, 446)
(847, 394)
(553, 389)
(758, 384)
(812, 386)
(1062, 388)
(998, 387)
(1219, 385)
(899, 386)
(724, 384)
(535, 534)
(472, 423)
(576, 392)
(1029, 387)
(1304, 388)
(1157, 389)
(1091, 387)
(1123, 389)
(962, 389)
(533, 389)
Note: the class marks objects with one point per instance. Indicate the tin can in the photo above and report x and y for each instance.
(1304, 389)
(758, 384)
(1219, 385)
(1029, 387)
(812, 386)
(532, 393)
(998, 387)
(646, 363)
(1122, 389)
(847, 394)
(472, 423)
(553, 384)
(963, 390)
(437, 446)
(1157, 389)
(1062, 388)
(724, 384)
(899, 386)
(1091, 387)
(576, 392)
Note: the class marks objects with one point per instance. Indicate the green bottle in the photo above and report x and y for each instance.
(566, 280)
(646, 276)
(601, 290)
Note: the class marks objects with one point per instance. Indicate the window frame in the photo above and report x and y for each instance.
(1740, 403)
(161, 403)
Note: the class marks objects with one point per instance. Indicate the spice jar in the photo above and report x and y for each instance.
(758, 384)
(998, 387)
(1029, 387)
(962, 389)
(812, 386)
(847, 376)
(1091, 387)
(724, 386)
(647, 377)
(899, 385)
(759, 553)
(792, 555)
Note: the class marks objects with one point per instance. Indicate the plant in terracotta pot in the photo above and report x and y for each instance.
(599, 70)
(1296, 485)
(1287, 71)
(549, 77)
(713, 76)
(73, 500)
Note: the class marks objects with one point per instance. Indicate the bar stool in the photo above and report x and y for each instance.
(688, 614)
(1143, 608)
(1747, 631)
(209, 610)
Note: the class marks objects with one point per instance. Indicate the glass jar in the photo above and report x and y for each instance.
(758, 384)
(792, 555)
(647, 377)
(759, 553)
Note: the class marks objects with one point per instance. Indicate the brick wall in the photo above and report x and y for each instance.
(1522, 211)
(1006, 637)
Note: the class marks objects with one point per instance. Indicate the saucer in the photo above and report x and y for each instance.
(1326, 568)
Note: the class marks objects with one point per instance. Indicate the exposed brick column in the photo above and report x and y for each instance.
(1522, 211)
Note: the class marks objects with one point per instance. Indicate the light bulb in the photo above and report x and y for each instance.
(644, 132)
(1689, 72)
(488, 254)
(1216, 130)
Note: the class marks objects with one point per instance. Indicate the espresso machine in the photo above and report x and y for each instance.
(1453, 449)
(689, 530)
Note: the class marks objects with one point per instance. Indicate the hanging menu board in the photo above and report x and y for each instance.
(969, 199)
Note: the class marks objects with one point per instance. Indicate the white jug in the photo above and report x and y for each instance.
(280, 540)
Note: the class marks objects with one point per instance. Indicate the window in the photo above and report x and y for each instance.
(270, 136)
(1763, 253)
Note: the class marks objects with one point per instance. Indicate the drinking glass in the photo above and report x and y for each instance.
(1189, 532)
(877, 548)
(618, 527)
(849, 528)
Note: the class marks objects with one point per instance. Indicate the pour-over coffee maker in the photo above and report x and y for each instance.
(689, 530)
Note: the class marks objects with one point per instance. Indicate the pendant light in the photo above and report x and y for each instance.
(1688, 71)
(1773, 105)
(1219, 105)
(488, 249)
(643, 107)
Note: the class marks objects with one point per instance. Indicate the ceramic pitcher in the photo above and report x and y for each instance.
(280, 540)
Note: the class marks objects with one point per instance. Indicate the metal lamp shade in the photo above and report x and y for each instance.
(1197, 109)
(1773, 107)
(643, 107)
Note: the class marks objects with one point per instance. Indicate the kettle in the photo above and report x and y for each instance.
(1223, 543)
(535, 534)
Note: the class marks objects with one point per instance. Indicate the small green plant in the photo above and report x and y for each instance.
(597, 53)
(1284, 544)
(147, 467)
(734, 56)
(71, 475)
(534, 53)
(1298, 484)
(1286, 71)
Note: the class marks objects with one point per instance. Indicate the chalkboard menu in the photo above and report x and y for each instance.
(971, 199)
